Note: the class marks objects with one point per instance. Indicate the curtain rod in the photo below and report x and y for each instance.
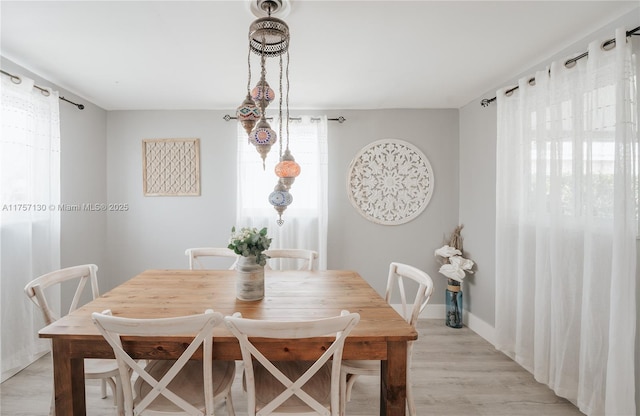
(17, 80)
(570, 62)
(339, 119)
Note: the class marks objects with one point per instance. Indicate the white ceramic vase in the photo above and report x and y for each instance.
(249, 279)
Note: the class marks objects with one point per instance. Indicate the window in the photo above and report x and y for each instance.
(305, 220)
(577, 157)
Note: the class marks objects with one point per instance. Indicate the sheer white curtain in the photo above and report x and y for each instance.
(566, 223)
(305, 220)
(29, 218)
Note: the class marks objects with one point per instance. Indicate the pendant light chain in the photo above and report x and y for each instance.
(264, 70)
(249, 75)
(280, 110)
(286, 103)
(263, 79)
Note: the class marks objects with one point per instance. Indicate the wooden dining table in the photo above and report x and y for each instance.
(382, 334)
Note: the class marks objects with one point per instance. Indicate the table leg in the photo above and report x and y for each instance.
(393, 380)
(68, 379)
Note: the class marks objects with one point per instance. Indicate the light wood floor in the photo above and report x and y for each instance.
(455, 372)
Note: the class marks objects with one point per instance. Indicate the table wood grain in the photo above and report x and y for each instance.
(382, 334)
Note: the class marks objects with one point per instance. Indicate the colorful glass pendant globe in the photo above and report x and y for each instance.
(263, 137)
(287, 170)
(263, 134)
(261, 95)
(280, 198)
(248, 114)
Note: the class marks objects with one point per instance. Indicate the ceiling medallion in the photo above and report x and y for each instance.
(390, 182)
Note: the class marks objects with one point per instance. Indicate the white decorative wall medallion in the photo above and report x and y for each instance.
(390, 182)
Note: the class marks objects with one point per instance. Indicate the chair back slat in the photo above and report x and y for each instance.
(35, 289)
(195, 256)
(398, 272)
(114, 328)
(307, 258)
(246, 329)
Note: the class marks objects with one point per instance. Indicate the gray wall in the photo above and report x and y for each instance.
(356, 243)
(155, 231)
(477, 184)
(84, 180)
(478, 133)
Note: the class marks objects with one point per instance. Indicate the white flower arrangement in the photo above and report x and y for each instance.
(250, 242)
(456, 267)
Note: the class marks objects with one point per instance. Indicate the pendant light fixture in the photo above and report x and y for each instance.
(268, 38)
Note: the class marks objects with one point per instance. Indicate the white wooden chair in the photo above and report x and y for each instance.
(103, 369)
(306, 259)
(194, 255)
(171, 387)
(292, 387)
(351, 369)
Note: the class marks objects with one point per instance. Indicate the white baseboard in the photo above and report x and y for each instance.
(477, 325)
(480, 327)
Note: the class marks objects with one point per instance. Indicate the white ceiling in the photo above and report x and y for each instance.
(344, 54)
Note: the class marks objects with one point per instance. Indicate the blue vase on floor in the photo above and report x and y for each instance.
(453, 304)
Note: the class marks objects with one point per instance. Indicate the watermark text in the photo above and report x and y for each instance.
(80, 207)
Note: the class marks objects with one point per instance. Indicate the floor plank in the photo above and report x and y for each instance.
(455, 372)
